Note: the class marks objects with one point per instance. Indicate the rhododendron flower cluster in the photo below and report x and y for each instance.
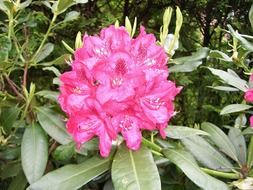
(248, 96)
(117, 85)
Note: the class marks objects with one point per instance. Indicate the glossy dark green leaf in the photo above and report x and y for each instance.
(71, 177)
(8, 117)
(206, 154)
(238, 140)
(220, 139)
(180, 132)
(135, 170)
(44, 52)
(230, 79)
(34, 152)
(233, 108)
(19, 182)
(53, 124)
(64, 152)
(189, 166)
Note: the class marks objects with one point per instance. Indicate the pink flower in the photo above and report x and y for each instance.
(248, 96)
(251, 121)
(118, 85)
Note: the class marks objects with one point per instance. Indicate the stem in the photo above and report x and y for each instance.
(25, 75)
(12, 85)
(222, 174)
(152, 145)
(250, 153)
(45, 37)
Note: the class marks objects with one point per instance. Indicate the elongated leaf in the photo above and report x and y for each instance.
(44, 52)
(230, 79)
(220, 55)
(52, 123)
(58, 61)
(34, 152)
(220, 139)
(186, 67)
(71, 177)
(245, 43)
(197, 56)
(232, 108)
(224, 88)
(180, 132)
(189, 166)
(251, 16)
(52, 95)
(72, 15)
(207, 154)
(63, 5)
(237, 139)
(52, 69)
(135, 170)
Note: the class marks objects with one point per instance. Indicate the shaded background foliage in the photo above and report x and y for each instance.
(204, 24)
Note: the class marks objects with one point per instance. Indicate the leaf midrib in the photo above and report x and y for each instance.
(134, 169)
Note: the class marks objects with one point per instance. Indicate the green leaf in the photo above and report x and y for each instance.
(180, 132)
(58, 61)
(245, 43)
(224, 88)
(197, 56)
(10, 169)
(230, 79)
(72, 176)
(19, 182)
(219, 55)
(186, 67)
(64, 152)
(34, 152)
(53, 69)
(63, 5)
(189, 63)
(24, 4)
(135, 170)
(251, 16)
(220, 139)
(53, 124)
(189, 166)
(44, 52)
(52, 95)
(206, 154)
(68, 47)
(5, 47)
(237, 139)
(232, 108)
(8, 117)
(70, 16)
